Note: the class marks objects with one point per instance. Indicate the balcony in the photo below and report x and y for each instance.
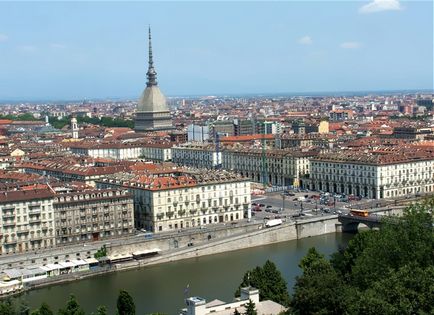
(23, 231)
(9, 223)
(35, 221)
(170, 213)
(10, 242)
(33, 211)
(8, 216)
(36, 239)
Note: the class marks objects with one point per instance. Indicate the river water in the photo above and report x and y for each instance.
(161, 288)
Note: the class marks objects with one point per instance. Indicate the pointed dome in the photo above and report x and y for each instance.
(152, 100)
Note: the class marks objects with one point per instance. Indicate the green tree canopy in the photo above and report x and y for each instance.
(250, 308)
(72, 307)
(270, 282)
(389, 271)
(44, 309)
(125, 304)
(319, 289)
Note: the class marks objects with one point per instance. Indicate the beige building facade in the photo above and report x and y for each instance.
(184, 200)
(93, 215)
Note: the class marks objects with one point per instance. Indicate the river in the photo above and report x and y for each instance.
(161, 288)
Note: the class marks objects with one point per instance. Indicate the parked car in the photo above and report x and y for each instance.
(269, 206)
(267, 210)
(275, 211)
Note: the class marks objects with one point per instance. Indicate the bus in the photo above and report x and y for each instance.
(360, 213)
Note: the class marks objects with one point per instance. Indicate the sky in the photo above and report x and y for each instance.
(86, 50)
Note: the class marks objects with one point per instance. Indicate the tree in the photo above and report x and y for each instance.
(250, 308)
(72, 307)
(101, 310)
(44, 309)
(319, 289)
(401, 241)
(389, 271)
(7, 308)
(269, 281)
(344, 260)
(102, 252)
(125, 304)
(236, 312)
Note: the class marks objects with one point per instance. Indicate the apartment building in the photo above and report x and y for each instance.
(154, 151)
(27, 220)
(196, 154)
(183, 199)
(93, 215)
(379, 173)
(274, 166)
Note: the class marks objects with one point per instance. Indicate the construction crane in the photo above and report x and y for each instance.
(264, 162)
(217, 151)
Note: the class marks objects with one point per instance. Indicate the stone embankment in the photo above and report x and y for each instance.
(206, 242)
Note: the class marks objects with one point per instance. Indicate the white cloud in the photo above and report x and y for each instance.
(350, 45)
(27, 48)
(305, 40)
(57, 46)
(381, 5)
(3, 37)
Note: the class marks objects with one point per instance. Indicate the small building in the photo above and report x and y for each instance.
(198, 306)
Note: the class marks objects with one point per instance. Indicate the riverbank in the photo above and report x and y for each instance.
(255, 235)
(161, 287)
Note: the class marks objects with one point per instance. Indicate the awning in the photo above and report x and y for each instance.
(91, 260)
(66, 264)
(146, 251)
(79, 262)
(51, 267)
(120, 257)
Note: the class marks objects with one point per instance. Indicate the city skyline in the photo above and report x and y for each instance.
(99, 50)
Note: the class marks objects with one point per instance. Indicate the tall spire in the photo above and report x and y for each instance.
(151, 74)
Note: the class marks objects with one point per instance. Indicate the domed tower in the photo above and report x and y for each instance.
(152, 113)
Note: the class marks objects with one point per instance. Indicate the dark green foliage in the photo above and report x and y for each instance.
(236, 312)
(390, 271)
(101, 310)
(319, 289)
(44, 309)
(72, 307)
(13, 307)
(102, 252)
(23, 117)
(125, 304)
(269, 281)
(343, 260)
(104, 121)
(250, 308)
(7, 308)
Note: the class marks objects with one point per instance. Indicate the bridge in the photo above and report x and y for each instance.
(350, 223)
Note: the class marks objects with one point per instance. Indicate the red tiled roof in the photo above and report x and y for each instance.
(23, 195)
